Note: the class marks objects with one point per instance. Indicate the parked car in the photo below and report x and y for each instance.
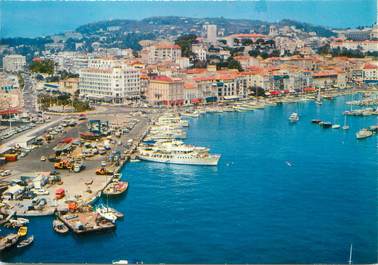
(41, 192)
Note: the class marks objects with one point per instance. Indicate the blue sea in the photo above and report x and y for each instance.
(37, 18)
(282, 193)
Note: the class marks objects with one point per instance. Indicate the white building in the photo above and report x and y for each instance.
(14, 63)
(69, 61)
(370, 73)
(183, 62)
(109, 84)
(199, 51)
(364, 46)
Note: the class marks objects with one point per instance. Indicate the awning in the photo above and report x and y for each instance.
(231, 97)
(9, 111)
(275, 92)
(309, 89)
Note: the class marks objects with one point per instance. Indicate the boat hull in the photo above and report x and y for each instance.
(211, 161)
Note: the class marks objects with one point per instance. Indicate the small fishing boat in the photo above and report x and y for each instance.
(326, 124)
(22, 231)
(315, 121)
(60, 227)
(25, 242)
(336, 126)
(8, 241)
(294, 117)
(104, 208)
(364, 133)
(106, 214)
(116, 188)
(134, 160)
(18, 222)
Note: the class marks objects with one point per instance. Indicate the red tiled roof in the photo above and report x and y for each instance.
(167, 46)
(166, 79)
(370, 66)
(324, 73)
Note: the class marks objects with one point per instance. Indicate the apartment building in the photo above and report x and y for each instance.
(14, 63)
(115, 84)
(365, 46)
(200, 52)
(161, 52)
(164, 90)
(370, 73)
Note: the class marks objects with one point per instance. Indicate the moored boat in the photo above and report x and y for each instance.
(364, 133)
(22, 231)
(326, 124)
(18, 222)
(8, 241)
(60, 227)
(116, 188)
(121, 261)
(25, 242)
(315, 121)
(294, 117)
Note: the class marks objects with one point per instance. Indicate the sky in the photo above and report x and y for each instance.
(39, 18)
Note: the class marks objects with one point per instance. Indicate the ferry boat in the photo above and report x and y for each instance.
(175, 152)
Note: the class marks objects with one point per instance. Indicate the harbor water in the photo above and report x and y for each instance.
(282, 193)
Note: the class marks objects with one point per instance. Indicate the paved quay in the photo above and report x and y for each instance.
(84, 186)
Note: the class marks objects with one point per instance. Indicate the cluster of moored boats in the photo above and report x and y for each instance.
(362, 112)
(19, 239)
(327, 124)
(171, 149)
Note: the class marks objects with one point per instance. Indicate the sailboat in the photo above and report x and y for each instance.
(319, 98)
(345, 126)
(350, 254)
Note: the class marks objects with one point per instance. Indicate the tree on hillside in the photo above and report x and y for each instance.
(233, 64)
(44, 66)
(185, 42)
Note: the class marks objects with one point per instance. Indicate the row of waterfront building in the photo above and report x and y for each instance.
(117, 79)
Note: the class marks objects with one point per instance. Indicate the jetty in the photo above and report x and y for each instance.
(85, 222)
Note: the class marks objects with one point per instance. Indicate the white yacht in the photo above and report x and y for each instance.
(175, 152)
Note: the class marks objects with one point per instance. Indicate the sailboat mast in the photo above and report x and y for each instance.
(350, 254)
